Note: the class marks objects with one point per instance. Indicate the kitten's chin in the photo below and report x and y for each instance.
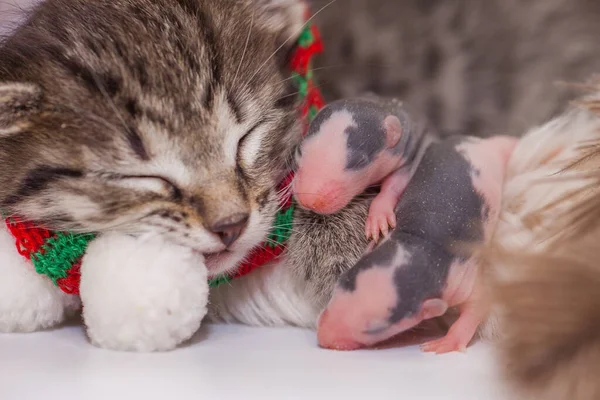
(221, 262)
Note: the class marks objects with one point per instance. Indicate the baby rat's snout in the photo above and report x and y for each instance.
(323, 199)
(334, 335)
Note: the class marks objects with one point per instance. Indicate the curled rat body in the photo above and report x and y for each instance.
(356, 143)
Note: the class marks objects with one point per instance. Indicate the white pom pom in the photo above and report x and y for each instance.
(142, 295)
(28, 301)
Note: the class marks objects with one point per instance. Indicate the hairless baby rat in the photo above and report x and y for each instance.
(417, 273)
(353, 144)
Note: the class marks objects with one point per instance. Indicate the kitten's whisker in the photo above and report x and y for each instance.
(308, 70)
(342, 65)
(290, 38)
(267, 240)
(287, 226)
(321, 83)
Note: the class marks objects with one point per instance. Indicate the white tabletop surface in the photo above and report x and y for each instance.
(236, 362)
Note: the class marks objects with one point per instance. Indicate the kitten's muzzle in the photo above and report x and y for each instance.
(230, 228)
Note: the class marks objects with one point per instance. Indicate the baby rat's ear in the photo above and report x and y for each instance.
(433, 308)
(393, 130)
(18, 102)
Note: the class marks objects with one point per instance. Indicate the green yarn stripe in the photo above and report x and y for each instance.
(282, 227)
(306, 37)
(59, 253)
(219, 280)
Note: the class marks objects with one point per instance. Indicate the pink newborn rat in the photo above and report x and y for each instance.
(353, 144)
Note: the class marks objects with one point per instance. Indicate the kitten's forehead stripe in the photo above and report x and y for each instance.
(214, 54)
(135, 141)
(235, 107)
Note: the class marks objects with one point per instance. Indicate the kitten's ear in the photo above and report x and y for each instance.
(285, 18)
(18, 101)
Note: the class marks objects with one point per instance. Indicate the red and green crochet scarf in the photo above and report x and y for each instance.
(58, 254)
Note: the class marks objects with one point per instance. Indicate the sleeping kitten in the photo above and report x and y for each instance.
(170, 117)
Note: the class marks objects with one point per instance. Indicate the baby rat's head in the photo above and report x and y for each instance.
(343, 153)
(374, 301)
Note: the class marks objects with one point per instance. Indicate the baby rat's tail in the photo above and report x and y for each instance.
(550, 343)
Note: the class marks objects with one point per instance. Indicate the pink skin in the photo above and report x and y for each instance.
(349, 315)
(323, 185)
(320, 183)
(381, 211)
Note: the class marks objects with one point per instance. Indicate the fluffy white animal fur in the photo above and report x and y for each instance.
(536, 181)
(532, 185)
(269, 296)
(544, 283)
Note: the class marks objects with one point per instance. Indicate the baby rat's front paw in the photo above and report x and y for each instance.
(141, 295)
(381, 217)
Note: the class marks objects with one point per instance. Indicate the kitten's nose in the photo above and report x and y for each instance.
(230, 228)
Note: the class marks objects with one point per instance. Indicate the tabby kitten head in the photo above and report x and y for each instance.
(173, 118)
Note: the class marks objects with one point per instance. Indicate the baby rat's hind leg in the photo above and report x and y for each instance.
(460, 333)
(381, 211)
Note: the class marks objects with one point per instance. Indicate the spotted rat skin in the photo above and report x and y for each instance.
(366, 136)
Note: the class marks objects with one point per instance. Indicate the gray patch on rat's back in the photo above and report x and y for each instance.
(382, 257)
(365, 138)
(438, 210)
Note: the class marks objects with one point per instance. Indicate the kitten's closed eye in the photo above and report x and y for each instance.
(157, 184)
(249, 144)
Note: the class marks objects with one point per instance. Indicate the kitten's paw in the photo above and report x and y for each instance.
(379, 222)
(28, 301)
(142, 295)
